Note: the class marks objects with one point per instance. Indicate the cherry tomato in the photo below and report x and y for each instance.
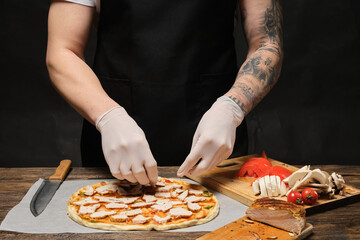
(294, 197)
(309, 196)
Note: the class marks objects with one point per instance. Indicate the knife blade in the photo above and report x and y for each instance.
(48, 188)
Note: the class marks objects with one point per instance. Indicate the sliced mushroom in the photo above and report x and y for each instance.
(327, 175)
(337, 181)
(303, 181)
(304, 168)
(319, 176)
(320, 188)
(297, 176)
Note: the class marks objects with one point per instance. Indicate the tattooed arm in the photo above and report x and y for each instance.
(262, 24)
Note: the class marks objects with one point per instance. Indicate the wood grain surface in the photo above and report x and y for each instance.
(247, 229)
(340, 223)
(223, 179)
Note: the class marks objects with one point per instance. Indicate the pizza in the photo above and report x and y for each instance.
(120, 205)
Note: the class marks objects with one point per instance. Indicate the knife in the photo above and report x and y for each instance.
(48, 188)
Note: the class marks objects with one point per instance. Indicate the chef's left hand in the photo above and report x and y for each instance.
(214, 137)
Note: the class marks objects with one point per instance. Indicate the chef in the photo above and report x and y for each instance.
(165, 87)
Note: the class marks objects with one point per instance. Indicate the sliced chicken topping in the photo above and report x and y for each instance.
(149, 198)
(194, 206)
(162, 207)
(194, 199)
(116, 205)
(169, 187)
(114, 199)
(158, 219)
(102, 214)
(175, 186)
(111, 187)
(142, 204)
(174, 194)
(163, 194)
(131, 213)
(162, 201)
(164, 189)
(108, 199)
(88, 209)
(141, 219)
(89, 191)
(179, 190)
(119, 218)
(177, 202)
(195, 191)
(160, 184)
(183, 195)
(128, 200)
(180, 212)
(86, 201)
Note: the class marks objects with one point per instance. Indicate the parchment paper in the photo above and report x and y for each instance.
(55, 220)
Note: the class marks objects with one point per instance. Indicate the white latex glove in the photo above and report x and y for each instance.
(125, 147)
(214, 137)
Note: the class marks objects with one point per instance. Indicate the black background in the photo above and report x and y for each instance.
(311, 116)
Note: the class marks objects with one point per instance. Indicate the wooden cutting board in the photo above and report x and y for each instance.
(223, 179)
(241, 230)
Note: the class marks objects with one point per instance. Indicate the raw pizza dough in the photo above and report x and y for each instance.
(120, 205)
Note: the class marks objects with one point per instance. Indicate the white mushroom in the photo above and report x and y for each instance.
(298, 176)
(319, 176)
(319, 188)
(303, 169)
(337, 181)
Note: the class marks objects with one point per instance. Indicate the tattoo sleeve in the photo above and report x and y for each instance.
(262, 23)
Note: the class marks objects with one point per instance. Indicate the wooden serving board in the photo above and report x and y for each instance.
(223, 179)
(241, 230)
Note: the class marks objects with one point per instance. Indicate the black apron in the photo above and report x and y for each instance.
(166, 62)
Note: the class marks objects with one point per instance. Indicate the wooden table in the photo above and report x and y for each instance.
(339, 223)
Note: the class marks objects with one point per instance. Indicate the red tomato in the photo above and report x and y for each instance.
(280, 171)
(263, 155)
(255, 167)
(294, 197)
(309, 196)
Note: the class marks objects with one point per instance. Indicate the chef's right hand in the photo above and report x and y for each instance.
(125, 147)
